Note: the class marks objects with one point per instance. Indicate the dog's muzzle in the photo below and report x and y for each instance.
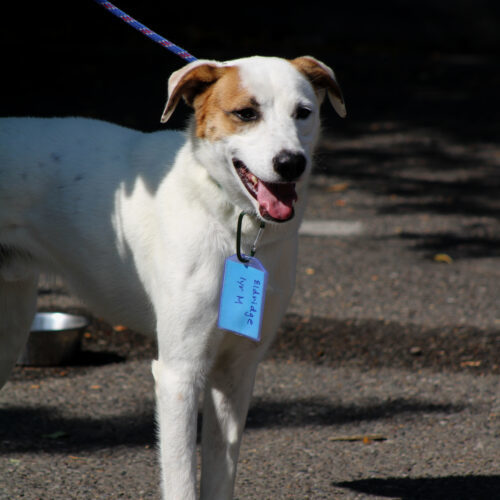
(275, 199)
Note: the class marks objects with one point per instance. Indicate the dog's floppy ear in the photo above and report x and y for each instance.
(322, 78)
(188, 82)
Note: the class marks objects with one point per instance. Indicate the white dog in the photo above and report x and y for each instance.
(140, 225)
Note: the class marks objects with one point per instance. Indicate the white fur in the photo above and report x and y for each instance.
(139, 225)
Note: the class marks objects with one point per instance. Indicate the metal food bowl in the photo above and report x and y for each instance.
(55, 338)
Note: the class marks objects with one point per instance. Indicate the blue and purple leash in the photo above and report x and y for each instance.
(146, 31)
(189, 58)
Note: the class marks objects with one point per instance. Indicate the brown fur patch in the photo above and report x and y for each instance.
(215, 105)
(317, 75)
(192, 83)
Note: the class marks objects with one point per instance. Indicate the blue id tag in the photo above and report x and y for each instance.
(242, 297)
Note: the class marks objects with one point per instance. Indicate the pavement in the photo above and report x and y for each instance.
(384, 381)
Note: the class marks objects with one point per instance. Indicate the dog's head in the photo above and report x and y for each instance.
(256, 124)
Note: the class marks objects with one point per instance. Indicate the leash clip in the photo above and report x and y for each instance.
(242, 257)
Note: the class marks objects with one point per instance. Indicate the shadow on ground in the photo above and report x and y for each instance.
(44, 429)
(266, 413)
(364, 344)
(435, 488)
(369, 344)
(456, 245)
(417, 169)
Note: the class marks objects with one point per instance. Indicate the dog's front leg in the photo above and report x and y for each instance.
(227, 397)
(186, 344)
(177, 393)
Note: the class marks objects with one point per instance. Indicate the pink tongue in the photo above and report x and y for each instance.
(276, 199)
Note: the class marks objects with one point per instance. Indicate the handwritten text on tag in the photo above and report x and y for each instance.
(242, 297)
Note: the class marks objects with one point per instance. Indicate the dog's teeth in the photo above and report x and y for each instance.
(254, 179)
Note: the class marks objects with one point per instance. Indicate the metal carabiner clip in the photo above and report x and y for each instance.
(242, 257)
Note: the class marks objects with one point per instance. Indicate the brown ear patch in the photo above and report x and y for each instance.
(321, 78)
(187, 83)
(198, 80)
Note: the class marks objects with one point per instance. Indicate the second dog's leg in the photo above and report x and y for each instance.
(227, 398)
(17, 308)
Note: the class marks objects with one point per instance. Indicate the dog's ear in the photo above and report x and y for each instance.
(322, 78)
(188, 82)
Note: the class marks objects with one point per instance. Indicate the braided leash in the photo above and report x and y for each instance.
(189, 58)
(146, 31)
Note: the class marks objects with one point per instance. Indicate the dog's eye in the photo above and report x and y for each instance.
(246, 114)
(302, 112)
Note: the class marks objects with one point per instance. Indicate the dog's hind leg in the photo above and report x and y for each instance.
(227, 397)
(17, 308)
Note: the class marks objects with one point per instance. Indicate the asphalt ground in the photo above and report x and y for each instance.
(384, 379)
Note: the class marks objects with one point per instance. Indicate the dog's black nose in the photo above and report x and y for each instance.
(289, 165)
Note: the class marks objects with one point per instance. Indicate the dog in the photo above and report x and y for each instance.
(140, 225)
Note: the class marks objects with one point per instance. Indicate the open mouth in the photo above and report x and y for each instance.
(275, 199)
